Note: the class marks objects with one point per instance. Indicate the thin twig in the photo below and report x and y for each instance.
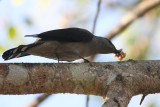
(39, 100)
(96, 16)
(143, 96)
(87, 101)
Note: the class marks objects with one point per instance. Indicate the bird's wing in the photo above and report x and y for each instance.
(66, 35)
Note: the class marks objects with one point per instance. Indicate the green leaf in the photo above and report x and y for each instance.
(1, 49)
(12, 32)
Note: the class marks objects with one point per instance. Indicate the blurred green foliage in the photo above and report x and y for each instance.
(82, 0)
(12, 32)
(137, 44)
(131, 39)
(152, 104)
(2, 49)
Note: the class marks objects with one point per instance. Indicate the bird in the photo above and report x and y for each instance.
(66, 44)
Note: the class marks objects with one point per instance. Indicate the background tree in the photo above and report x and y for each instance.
(17, 20)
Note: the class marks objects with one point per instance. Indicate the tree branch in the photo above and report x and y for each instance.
(117, 82)
(137, 12)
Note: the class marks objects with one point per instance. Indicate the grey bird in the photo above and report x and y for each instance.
(64, 45)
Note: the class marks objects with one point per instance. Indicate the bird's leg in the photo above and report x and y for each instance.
(85, 60)
(57, 57)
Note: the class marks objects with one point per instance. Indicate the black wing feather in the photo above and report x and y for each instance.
(67, 35)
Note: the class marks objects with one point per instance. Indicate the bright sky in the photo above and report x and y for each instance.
(14, 12)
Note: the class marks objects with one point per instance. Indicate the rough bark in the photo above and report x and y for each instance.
(116, 82)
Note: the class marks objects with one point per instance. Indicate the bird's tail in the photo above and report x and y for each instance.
(15, 52)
